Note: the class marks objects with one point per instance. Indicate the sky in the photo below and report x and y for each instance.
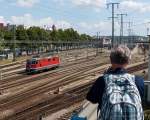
(85, 16)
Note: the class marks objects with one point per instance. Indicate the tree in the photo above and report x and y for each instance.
(54, 33)
(36, 38)
(22, 38)
(33, 37)
(21, 33)
(71, 34)
(1, 39)
(84, 37)
(61, 36)
(8, 37)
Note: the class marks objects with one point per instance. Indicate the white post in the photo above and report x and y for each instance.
(148, 92)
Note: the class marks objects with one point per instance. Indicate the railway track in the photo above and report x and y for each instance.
(12, 69)
(5, 85)
(44, 89)
(11, 64)
(22, 94)
(16, 71)
(131, 70)
(47, 86)
(13, 97)
(22, 74)
(54, 104)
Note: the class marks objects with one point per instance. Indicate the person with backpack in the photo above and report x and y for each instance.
(118, 93)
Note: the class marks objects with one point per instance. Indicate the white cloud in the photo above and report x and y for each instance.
(28, 20)
(136, 6)
(82, 27)
(104, 27)
(92, 28)
(27, 3)
(95, 3)
(61, 2)
(2, 20)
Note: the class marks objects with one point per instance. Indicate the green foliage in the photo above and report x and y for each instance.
(72, 35)
(8, 38)
(29, 37)
(1, 39)
(8, 35)
(33, 33)
(21, 33)
(22, 37)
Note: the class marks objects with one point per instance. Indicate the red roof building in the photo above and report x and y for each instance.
(1, 25)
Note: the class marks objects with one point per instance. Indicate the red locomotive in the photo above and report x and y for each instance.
(38, 63)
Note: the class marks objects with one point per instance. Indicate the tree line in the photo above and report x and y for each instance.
(34, 36)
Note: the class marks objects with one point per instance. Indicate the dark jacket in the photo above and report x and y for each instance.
(96, 92)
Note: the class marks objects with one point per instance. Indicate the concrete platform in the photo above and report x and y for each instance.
(88, 111)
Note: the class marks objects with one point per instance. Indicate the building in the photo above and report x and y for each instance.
(106, 42)
(1, 25)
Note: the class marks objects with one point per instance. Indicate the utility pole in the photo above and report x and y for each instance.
(14, 45)
(147, 24)
(129, 31)
(97, 41)
(42, 37)
(147, 31)
(121, 26)
(113, 16)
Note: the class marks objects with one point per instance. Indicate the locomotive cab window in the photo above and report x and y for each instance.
(53, 59)
(49, 60)
(37, 62)
(34, 62)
